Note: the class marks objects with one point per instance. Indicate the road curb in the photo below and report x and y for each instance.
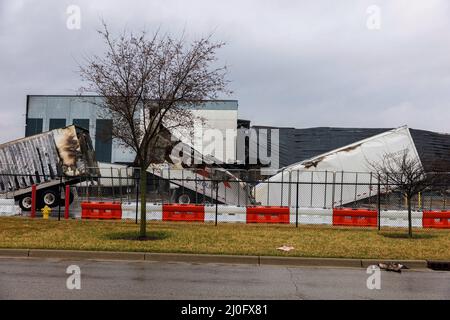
(310, 262)
(89, 255)
(202, 258)
(410, 264)
(439, 265)
(14, 252)
(209, 258)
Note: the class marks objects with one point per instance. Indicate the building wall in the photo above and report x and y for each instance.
(296, 145)
(42, 111)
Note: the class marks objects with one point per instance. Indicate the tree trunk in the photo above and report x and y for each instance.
(143, 190)
(408, 199)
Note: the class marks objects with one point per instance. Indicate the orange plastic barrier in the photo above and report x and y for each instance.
(354, 217)
(183, 212)
(268, 214)
(101, 210)
(436, 219)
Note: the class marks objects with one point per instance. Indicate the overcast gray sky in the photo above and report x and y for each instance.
(292, 63)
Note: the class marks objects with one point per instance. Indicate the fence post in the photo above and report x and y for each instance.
(33, 201)
(296, 203)
(387, 197)
(59, 198)
(379, 204)
(282, 185)
(325, 193)
(196, 187)
(289, 188)
(312, 189)
(370, 191)
(67, 203)
(137, 179)
(217, 203)
(112, 183)
(333, 195)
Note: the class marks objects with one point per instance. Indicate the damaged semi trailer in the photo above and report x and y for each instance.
(48, 160)
(339, 177)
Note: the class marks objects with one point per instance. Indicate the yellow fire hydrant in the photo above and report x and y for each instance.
(46, 211)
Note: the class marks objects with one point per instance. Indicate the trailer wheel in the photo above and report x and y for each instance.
(25, 203)
(183, 198)
(49, 198)
(190, 197)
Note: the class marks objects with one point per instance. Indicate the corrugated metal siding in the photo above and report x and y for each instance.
(433, 148)
(43, 157)
(32, 156)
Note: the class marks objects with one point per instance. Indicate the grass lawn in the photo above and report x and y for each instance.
(242, 239)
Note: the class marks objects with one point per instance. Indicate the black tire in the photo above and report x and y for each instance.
(25, 202)
(183, 196)
(188, 196)
(49, 197)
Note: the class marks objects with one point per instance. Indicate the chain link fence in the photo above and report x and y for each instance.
(307, 197)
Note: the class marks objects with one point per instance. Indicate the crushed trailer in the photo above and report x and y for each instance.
(47, 160)
(344, 174)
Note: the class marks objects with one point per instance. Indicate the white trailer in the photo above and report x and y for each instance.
(187, 185)
(209, 183)
(338, 177)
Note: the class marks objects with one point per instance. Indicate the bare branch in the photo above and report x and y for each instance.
(148, 84)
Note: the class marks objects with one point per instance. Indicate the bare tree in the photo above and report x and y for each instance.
(405, 174)
(148, 85)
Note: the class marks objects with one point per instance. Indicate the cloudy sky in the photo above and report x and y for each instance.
(292, 63)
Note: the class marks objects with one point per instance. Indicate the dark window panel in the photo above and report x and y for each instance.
(34, 126)
(103, 140)
(82, 123)
(57, 123)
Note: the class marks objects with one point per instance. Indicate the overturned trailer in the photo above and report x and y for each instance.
(193, 175)
(338, 177)
(47, 160)
(208, 184)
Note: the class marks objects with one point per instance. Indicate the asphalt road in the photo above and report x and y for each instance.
(27, 278)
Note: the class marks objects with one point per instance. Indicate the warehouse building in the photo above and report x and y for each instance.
(47, 112)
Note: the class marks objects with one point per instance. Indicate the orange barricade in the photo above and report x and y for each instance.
(267, 214)
(436, 219)
(354, 217)
(183, 212)
(101, 210)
